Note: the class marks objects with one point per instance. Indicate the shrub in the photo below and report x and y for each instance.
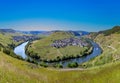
(58, 58)
(28, 59)
(73, 65)
(0, 48)
(58, 65)
(12, 46)
(6, 51)
(43, 64)
(10, 52)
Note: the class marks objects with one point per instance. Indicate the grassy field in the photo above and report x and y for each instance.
(103, 69)
(111, 50)
(6, 38)
(16, 71)
(45, 51)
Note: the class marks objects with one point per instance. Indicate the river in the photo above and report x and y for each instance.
(20, 50)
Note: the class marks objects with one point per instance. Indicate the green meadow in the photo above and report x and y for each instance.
(105, 68)
(110, 45)
(43, 49)
(17, 71)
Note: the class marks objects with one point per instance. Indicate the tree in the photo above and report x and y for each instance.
(6, 51)
(58, 65)
(0, 48)
(12, 46)
(43, 64)
(73, 65)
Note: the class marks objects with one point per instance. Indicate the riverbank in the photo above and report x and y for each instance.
(96, 51)
(14, 70)
(20, 50)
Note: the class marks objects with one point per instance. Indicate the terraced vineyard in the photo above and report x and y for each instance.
(103, 69)
(110, 45)
(45, 51)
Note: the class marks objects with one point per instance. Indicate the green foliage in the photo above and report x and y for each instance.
(43, 64)
(31, 60)
(110, 44)
(0, 48)
(115, 29)
(10, 52)
(104, 59)
(28, 60)
(58, 65)
(48, 53)
(12, 46)
(10, 68)
(6, 51)
(33, 55)
(73, 65)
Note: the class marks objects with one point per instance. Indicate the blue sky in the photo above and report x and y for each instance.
(88, 15)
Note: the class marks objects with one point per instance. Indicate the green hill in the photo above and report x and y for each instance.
(6, 37)
(115, 29)
(109, 41)
(43, 49)
(13, 70)
(16, 71)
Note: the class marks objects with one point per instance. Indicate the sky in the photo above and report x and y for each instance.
(86, 15)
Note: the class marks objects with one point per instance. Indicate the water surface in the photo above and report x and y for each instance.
(20, 50)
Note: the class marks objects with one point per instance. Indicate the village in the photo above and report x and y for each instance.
(24, 38)
(69, 42)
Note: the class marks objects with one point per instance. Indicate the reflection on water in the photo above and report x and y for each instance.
(20, 50)
(96, 51)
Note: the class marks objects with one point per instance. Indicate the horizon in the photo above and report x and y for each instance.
(35, 15)
(50, 30)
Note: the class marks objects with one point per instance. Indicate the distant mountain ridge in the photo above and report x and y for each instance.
(76, 33)
(35, 32)
(79, 33)
(8, 30)
(115, 29)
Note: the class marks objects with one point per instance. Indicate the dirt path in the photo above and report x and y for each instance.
(59, 52)
(71, 69)
(67, 69)
(112, 48)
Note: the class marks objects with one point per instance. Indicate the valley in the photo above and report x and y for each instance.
(106, 65)
(59, 41)
(42, 49)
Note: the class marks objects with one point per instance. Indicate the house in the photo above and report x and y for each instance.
(69, 42)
